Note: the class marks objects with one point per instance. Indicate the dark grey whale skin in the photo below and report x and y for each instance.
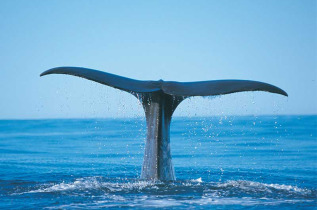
(159, 100)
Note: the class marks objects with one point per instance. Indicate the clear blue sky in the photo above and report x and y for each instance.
(268, 40)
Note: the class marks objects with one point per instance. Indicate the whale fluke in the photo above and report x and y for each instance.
(187, 89)
(217, 87)
(112, 80)
(159, 100)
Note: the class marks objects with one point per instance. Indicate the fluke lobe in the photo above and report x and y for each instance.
(159, 100)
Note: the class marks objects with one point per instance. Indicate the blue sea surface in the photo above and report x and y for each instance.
(259, 162)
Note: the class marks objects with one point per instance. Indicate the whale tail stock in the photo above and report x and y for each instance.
(159, 100)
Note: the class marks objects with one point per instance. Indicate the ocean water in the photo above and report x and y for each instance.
(259, 162)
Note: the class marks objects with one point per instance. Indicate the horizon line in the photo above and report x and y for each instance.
(138, 117)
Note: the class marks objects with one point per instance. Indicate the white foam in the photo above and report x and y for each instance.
(213, 193)
(257, 186)
(199, 180)
(95, 183)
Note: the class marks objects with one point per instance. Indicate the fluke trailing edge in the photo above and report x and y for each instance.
(159, 100)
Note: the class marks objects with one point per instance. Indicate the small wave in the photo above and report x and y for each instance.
(95, 183)
(113, 193)
(214, 189)
(262, 187)
(199, 180)
(163, 202)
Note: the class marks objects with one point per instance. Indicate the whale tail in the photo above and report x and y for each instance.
(185, 89)
(159, 100)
